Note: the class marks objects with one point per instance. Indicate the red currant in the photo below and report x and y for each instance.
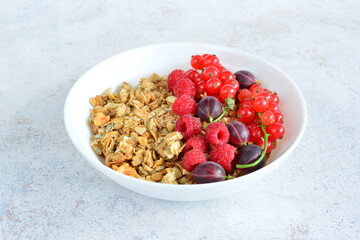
(227, 91)
(213, 86)
(276, 130)
(270, 145)
(260, 104)
(245, 114)
(254, 86)
(192, 74)
(275, 99)
(226, 76)
(246, 102)
(201, 88)
(279, 118)
(268, 118)
(220, 68)
(273, 107)
(198, 79)
(211, 60)
(233, 83)
(256, 133)
(256, 92)
(211, 72)
(244, 94)
(197, 62)
(267, 95)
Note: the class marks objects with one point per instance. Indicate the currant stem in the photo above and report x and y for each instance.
(266, 135)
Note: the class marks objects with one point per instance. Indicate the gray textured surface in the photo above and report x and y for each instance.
(47, 191)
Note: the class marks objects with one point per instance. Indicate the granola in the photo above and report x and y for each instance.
(133, 129)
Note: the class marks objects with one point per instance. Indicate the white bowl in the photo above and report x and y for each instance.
(131, 65)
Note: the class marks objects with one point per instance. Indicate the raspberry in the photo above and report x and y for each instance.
(184, 105)
(224, 155)
(175, 76)
(217, 134)
(198, 143)
(193, 158)
(188, 126)
(184, 87)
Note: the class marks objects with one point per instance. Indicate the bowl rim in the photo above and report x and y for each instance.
(108, 171)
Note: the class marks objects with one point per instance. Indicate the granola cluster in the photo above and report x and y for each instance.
(134, 130)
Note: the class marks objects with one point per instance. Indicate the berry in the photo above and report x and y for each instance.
(226, 76)
(199, 79)
(254, 86)
(201, 88)
(211, 60)
(275, 99)
(227, 91)
(188, 126)
(256, 133)
(174, 77)
(184, 87)
(193, 158)
(245, 79)
(211, 72)
(256, 92)
(213, 85)
(249, 154)
(244, 94)
(260, 104)
(273, 107)
(270, 145)
(279, 118)
(246, 102)
(234, 84)
(268, 118)
(197, 62)
(209, 107)
(276, 130)
(217, 133)
(245, 114)
(239, 133)
(198, 143)
(192, 74)
(266, 95)
(224, 155)
(208, 172)
(184, 105)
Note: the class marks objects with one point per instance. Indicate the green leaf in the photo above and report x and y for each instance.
(230, 103)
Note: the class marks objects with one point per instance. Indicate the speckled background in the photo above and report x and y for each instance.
(48, 191)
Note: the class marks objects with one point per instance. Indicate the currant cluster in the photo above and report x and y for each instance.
(211, 78)
(260, 106)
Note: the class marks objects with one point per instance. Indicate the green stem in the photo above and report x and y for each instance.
(266, 135)
(217, 119)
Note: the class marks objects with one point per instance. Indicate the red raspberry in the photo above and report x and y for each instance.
(184, 105)
(224, 155)
(217, 134)
(198, 143)
(188, 126)
(184, 87)
(175, 76)
(193, 158)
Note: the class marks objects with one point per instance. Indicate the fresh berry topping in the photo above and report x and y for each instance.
(197, 62)
(193, 158)
(192, 74)
(227, 91)
(175, 76)
(184, 87)
(188, 126)
(184, 105)
(217, 133)
(224, 155)
(198, 143)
